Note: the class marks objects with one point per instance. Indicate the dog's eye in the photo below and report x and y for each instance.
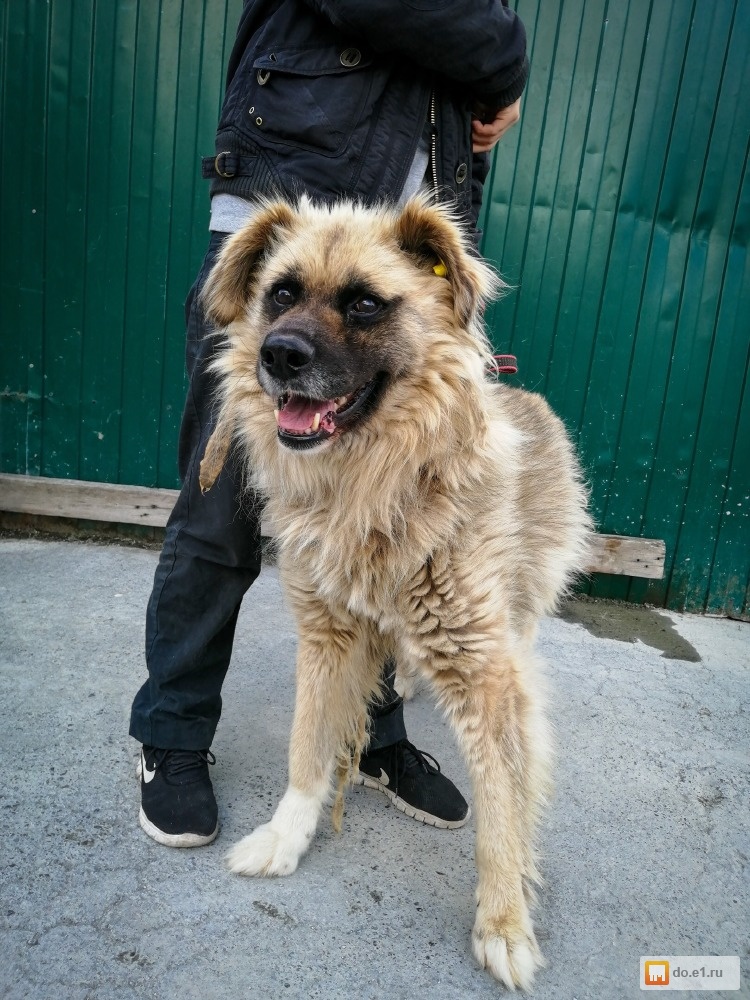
(283, 295)
(366, 306)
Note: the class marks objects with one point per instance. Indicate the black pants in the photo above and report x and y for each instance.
(211, 556)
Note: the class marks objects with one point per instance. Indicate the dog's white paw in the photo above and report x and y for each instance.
(276, 847)
(511, 957)
(265, 852)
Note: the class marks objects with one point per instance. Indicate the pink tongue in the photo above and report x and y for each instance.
(299, 413)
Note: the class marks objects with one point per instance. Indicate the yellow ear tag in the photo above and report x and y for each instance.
(441, 270)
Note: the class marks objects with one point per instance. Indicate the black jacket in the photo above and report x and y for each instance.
(331, 97)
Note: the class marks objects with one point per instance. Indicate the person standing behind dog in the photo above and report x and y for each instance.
(333, 99)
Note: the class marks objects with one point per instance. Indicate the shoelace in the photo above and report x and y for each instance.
(177, 761)
(413, 759)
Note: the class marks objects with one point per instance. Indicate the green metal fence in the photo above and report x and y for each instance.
(619, 209)
(107, 108)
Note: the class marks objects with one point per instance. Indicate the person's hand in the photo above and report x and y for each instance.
(486, 135)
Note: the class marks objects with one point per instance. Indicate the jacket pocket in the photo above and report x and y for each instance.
(307, 97)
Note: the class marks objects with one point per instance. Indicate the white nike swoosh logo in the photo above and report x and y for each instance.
(383, 777)
(145, 773)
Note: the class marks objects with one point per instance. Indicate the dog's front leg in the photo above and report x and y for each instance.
(336, 674)
(504, 738)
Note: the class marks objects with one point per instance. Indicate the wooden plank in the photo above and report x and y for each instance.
(88, 501)
(619, 555)
(612, 554)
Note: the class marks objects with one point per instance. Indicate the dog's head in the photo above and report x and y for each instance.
(335, 311)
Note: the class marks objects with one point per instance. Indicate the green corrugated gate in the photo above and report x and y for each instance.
(620, 209)
(107, 108)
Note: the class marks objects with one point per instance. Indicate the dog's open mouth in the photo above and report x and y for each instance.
(303, 422)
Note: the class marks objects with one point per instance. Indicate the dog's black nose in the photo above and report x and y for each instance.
(286, 354)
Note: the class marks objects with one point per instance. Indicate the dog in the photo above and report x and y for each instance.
(422, 510)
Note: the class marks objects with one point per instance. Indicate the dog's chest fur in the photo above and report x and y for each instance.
(368, 572)
(411, 577)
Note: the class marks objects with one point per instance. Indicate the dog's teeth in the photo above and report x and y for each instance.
(315, 423)
(277, 414)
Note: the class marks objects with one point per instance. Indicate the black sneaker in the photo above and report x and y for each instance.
(178, 808)
(413, 782)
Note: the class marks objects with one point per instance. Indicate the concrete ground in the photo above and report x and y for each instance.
(646, 845)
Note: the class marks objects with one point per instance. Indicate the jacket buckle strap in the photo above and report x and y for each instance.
(221, 166)
(227, 165)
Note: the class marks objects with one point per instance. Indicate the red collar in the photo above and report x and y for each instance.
(505, 364)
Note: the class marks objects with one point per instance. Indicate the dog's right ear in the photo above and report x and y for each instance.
(229, 285)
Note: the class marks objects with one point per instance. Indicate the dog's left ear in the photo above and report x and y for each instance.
(428, 233)
(229, 285)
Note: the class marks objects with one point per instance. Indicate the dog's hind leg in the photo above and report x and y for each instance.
(338, 671)
(505, 742)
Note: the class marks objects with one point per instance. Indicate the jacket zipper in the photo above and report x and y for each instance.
(433, 144)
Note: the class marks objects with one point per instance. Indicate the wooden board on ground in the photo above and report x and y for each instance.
(613, 554)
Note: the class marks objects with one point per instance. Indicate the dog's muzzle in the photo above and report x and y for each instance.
(293, 370)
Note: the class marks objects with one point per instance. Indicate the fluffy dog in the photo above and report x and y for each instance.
(422, 511)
